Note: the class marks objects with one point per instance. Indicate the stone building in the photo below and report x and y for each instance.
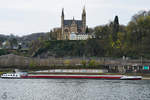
(71, 26)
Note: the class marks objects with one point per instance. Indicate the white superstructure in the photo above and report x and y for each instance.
(11, 75)
(14, 75)
(131, 77)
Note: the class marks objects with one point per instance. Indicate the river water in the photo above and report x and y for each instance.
(73, 89)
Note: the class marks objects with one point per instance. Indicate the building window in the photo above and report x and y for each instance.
(79, 31)
(66, 30)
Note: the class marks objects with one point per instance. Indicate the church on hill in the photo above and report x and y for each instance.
(72, 29)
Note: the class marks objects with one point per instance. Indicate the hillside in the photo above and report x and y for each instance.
(33, 36)
(111, 40)
(3, 37)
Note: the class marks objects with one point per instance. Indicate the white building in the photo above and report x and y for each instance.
(74, 36)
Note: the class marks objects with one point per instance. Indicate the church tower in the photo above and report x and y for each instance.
(71, 26)
(62, 24)
(84, 20)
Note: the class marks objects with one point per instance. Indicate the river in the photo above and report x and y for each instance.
(74, 89)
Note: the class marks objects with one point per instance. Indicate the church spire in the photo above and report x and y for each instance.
(84, 20)
(62, 12)
(62, 24)
(84, 12)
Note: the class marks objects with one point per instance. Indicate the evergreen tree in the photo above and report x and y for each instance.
(115, 28)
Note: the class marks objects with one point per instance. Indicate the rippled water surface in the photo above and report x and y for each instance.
(73, 89)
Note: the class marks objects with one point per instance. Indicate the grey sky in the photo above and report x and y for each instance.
(22, 17)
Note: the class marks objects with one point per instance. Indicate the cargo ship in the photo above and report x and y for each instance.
(68, 76)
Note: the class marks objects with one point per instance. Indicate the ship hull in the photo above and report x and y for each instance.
(69, 76)
(111, 77)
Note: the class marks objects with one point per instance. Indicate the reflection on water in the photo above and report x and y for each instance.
(73, 89)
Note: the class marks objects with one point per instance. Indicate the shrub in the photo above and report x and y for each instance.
(83, 63)
(67, 62)
(32, 64)
(92, 63)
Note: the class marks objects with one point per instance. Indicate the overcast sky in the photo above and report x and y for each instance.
(22, 17)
